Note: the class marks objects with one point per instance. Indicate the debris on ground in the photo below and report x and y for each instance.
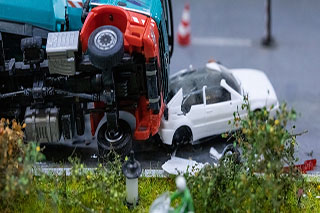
(229, 149)
(178, 165)
(215, 154)
(308, 165)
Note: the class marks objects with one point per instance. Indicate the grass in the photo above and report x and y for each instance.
(88, 193)
(84, 196)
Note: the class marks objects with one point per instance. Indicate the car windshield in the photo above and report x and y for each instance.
(230, 79)
(194, 80)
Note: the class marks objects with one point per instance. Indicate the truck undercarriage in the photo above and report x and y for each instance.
(54, 105)
(117, 62)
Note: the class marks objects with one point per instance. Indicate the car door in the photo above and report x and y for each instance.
(219, 110)
(193, 108)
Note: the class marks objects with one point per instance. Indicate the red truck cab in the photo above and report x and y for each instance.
(144, 78)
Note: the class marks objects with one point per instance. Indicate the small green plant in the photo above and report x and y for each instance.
(97, 190)
(16, 162)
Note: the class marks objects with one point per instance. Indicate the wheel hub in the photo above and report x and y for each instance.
(228, 153)
(105, 40)
(113, 136)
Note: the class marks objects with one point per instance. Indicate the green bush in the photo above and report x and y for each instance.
(258, 183)
(16, 162)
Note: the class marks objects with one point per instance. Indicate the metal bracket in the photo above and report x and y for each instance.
(152, 84)
(12, 66)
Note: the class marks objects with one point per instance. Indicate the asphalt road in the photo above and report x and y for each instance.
(231, 32)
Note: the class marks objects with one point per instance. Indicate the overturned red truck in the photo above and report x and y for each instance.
(118, 62)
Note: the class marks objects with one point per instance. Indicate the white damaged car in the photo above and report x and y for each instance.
(202, 101)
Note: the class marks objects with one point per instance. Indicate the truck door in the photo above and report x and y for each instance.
(165, 44)
(167, 11)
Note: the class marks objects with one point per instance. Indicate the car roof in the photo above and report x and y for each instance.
(194, 79)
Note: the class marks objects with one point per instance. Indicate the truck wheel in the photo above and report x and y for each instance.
(105, 47)
(121, 143)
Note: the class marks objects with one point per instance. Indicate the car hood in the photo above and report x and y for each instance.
(174, 104)
(256, 84)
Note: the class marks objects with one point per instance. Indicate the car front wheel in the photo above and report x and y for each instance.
(182, 136)
(231, 154)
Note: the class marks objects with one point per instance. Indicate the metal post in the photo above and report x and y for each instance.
(132, 170)
(268, 41)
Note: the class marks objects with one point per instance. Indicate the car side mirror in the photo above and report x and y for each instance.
(224, 85)
(185, 108)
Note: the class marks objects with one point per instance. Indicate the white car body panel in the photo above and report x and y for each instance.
(196, 117)
(218, 115)
(256, 84)
(212, 119)
(176, 100)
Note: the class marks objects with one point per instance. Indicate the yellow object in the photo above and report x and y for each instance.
(309, 194)
(271, 130)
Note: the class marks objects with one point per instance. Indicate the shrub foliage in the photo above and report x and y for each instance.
(16, 161)
(259, 183)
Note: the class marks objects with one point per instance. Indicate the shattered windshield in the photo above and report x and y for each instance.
(230, 79)
(194, 80)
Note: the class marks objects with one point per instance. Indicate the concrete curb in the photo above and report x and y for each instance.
(61, 171)
(311, 176)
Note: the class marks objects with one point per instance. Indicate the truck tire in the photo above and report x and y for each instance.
(105, 47)
(121, 146)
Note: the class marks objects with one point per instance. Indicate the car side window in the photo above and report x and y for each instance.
(217, 94)
(194, 98)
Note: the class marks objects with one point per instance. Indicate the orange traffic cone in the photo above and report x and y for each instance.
(184, 27)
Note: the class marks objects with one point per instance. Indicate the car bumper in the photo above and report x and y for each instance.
(166, 135)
